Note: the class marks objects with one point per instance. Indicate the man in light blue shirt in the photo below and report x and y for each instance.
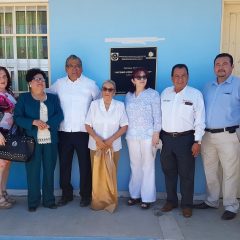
(220, 144)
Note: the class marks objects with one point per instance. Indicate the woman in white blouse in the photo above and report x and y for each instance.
(106, 122)
(143, 110)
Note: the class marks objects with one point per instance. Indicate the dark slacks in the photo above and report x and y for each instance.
(45, 155)
(68, 142)
(177, 160)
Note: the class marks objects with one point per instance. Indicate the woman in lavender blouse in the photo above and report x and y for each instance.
(143, 110)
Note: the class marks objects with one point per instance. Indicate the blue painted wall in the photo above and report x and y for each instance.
(192, 36)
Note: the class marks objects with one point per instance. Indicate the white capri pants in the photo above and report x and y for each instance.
(142, 163)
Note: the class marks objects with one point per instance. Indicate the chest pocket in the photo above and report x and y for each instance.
(227, 90)
(187, 110)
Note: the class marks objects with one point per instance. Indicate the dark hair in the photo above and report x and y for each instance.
(33, 72)
(179, 65)
(9, 81)
(74, 57)
(224, 55)
(134, 74)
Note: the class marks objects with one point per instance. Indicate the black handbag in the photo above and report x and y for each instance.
(18, 146)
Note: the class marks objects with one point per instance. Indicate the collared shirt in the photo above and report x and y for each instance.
(183, 111)
(144, 114)
(222, 103)
(106, 123)
(75, 98)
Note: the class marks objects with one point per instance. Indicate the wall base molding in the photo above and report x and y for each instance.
(160, 195)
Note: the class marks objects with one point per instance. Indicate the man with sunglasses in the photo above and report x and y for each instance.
(183, 123)
(76, 92)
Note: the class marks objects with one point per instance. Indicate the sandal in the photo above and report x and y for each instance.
(8, 198)
(133, 201)
(145, 205)
(4, 204)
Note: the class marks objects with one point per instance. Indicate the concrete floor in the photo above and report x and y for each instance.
(74, 222)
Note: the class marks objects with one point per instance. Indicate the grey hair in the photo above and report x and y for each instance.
(74, 57)
(111, 82)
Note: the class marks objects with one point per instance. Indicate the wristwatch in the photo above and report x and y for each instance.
(198, 142)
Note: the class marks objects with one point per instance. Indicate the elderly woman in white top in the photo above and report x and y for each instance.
(143, 110)
(106, 122)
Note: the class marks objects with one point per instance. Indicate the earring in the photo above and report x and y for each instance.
(30, 85)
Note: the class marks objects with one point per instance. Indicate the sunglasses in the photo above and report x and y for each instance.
(144, 77)
(105, 89)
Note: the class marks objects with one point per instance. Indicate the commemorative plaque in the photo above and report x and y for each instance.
(125, 60)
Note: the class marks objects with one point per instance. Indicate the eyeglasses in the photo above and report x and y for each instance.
(4, 77)
(144, 77)
(105, 89)
(73, 66)
(39, 79)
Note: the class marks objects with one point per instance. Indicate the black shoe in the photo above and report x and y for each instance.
(227, 215)
(63, 201)
(202, 205)
(85, 202)
(32, 209)
(145, 205)
(133, 201)
(52, 206)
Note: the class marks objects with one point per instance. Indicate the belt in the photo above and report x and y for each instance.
(178, 134)
(219, 130)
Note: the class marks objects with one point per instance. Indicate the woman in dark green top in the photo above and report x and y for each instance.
(40, 114)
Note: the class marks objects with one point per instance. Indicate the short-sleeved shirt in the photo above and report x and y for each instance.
(222, 102)
(75, 98)
(106, 123)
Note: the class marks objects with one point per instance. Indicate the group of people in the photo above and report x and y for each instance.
(75, 115)
(208, 123)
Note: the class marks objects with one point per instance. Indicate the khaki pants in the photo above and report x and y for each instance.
(221, 149)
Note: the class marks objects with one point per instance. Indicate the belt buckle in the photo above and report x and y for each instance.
(232, 130)
(174, 134)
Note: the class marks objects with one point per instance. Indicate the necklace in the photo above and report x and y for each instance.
(40, 97)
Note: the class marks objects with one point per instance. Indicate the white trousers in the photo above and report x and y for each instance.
(221, 148)
(142, 163)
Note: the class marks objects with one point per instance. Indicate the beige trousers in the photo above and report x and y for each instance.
(221, 149)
